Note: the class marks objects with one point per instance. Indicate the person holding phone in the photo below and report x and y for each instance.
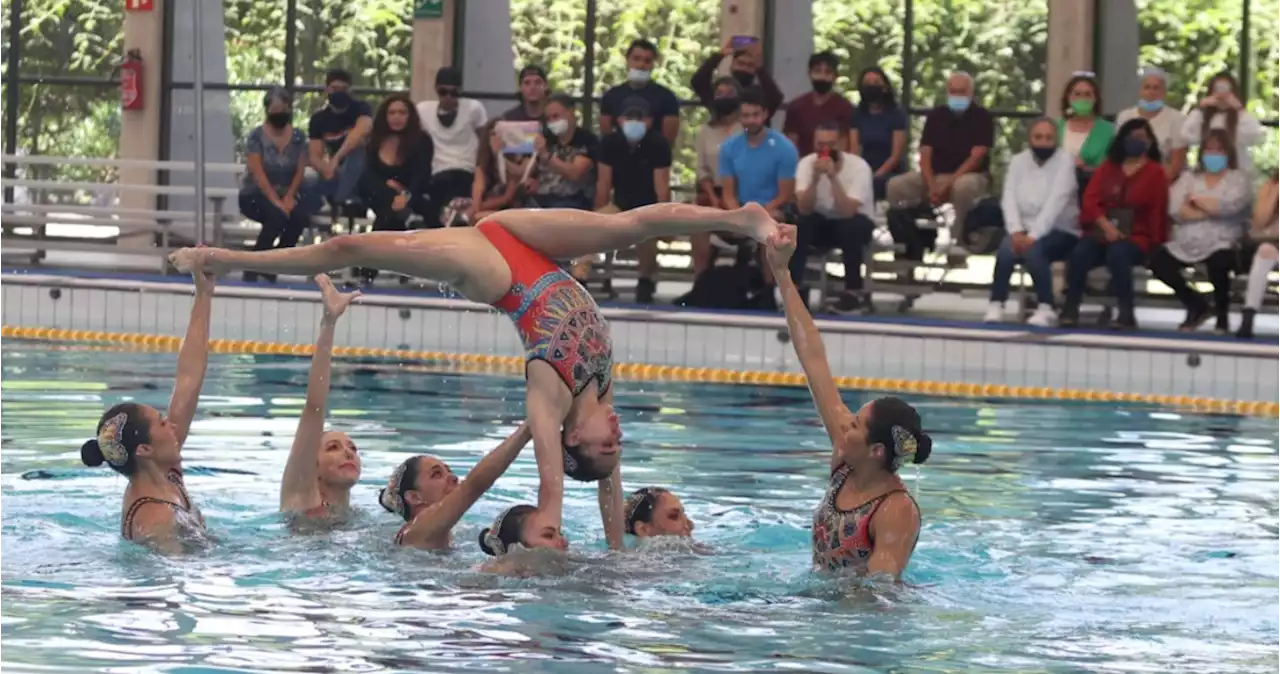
(747, 67)
(1221, 109)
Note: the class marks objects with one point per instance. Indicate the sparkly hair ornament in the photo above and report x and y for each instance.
(904, 446)
(570, 463)
(491, 538)
(111, 440)
(643, 498)
(390, 497)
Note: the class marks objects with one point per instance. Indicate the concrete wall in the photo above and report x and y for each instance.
(488, 57)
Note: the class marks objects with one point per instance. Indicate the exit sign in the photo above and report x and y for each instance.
(428, 9)
(139, 5)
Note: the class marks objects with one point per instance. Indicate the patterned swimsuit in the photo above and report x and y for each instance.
(842, 538)
(186, 516)
(556, 317)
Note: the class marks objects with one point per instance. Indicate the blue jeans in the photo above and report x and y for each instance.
(342, 187)
(1119, 257)
(1052, 247)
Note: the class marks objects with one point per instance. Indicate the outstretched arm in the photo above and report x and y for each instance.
(299, 488)
(193, 359)
(438, 520)
(547, 403)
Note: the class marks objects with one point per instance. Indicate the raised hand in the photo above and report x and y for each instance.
(780, 247)
(335, 303)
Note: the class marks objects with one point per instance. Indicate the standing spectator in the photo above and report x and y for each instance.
(566, 157)
(273, 193)
(641, 56)
(1084, 136)
(836, 202)
(819, 106)
(747, 67)
(722, 125)
(533, 97)
(1221, 109)
(1209, 207)
(500, 181)
(398, 168)
(878, 130)
(337, 132)
(1042, 217)
(954, 163)
(1165, 121)
(634, 171)
(1124, 216)
(1264, 234)
(454, 124)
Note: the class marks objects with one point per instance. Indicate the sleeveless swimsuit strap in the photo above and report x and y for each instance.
(126, 527)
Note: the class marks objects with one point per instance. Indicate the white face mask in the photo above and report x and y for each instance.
(558, 126)
(637, 76)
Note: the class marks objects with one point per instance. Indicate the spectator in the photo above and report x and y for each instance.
(1209, 207)
(1221, 109)
(533, 97)
(273, 193)
(747, 67)
(1263, 235)
(566, 159)
(398, 168)
(878, 130)
(641, 56)
(1166, 121)
(1124, 217)
(1084, 136)
(722, 125)
(836, 202)
(635, 171)
(337, 133)
(500, 179)
(821, 105)
(1042, 217)
(954, 161)
(455, 125)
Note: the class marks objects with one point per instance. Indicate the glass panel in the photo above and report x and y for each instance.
(862, 34)
(255, 41)
(1264, 98)
(550, 33)
(1169, 30)
(370, 38)
(67, 121)
(70, 38)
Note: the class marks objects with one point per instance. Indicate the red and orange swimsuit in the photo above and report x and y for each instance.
(558, 320)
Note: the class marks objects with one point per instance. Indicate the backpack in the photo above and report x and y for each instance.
(735, 286)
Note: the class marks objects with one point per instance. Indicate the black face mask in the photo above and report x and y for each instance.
(1043, 153)
(279, 119)
(447, 117)
(744, 78)
(822, 86)
(340, 100)
(870, 93)
(724, 106)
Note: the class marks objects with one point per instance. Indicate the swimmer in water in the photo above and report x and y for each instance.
(142, 444)
(322, 467)
(521, 528)
(654, 511)
(426, 493)
(867, 521)
(506, 261)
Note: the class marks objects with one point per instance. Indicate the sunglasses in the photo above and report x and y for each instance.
(449, 92)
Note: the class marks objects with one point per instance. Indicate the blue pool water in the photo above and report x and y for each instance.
(1056, 538)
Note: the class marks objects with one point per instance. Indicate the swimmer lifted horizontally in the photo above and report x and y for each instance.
(506, 261)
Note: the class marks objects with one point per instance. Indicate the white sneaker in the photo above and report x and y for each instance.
(995, 313)
(1043, 317)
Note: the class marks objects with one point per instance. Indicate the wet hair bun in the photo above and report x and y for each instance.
(924, 447)
(91, 454)
(484, 533)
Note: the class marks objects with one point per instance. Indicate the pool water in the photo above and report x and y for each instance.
(1056, 538)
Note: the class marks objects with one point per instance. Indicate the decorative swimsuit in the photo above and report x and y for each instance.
(842, 538)
(185, 515)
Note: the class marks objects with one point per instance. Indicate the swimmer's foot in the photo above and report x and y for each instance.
(191, 260)
(755, 222)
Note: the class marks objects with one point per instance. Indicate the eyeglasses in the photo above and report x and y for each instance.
(447, 92)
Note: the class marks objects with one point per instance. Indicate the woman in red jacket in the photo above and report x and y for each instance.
(1124, 216)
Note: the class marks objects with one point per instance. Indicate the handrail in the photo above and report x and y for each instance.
(111, 211)
(124, 187)
(47, 160)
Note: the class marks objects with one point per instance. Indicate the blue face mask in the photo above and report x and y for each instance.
(1151, 106)
(1214, 162)
(1134, 147)
(958, 104)
(637, 76)
(633, 129)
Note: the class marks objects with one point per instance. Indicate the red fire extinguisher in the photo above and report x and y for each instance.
(131, 79)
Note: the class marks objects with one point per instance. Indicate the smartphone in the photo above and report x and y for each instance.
(824, 153)
(743, 41)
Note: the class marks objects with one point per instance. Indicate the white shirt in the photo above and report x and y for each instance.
(1167, 124)
(1072, 141)
(1248, 133)
(1039, 198)
(855, 177)
(455, 146)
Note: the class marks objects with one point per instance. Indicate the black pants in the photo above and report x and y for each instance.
(445, 187)
(1168, 269)
(380, 199)
(850, 235)
(279, 229)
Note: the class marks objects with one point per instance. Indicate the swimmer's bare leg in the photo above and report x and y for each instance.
(565, 234)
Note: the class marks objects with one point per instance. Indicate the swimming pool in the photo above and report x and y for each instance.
(1056, 538)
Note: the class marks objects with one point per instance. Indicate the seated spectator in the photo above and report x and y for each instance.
(1083, 134)
(1221, 109)
(747, 67)
(835, 199)
(1263, 235)
(819, 106)
(641, 56)
(455, 125)
(1124, 216)
(1042, 217)
(273, 193)
(337, 132)
(1209, 207)
(722, 125)
(533, 97)
(635, 170)
(759, 165)
(566, 155)
(502, 180)
(954, 151)
(1165, 120)
(878, 130)
(398, 167)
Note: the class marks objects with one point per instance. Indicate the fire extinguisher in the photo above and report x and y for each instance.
(131, 79)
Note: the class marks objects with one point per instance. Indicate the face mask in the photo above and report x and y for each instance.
(279, 119)
(744, 78)
(637, 76)
(446, 117)
(1222, 88)
(1151, 106)
(822, 86)
(558, 126)
(1134, 147)
(958, 104)
(1042, 154)
(1082, 107)
(870, 93)
(339, 100)
(725, 106)
(633, 129)
(1214, 162)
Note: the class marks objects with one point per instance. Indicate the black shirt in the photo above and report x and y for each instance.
(332, 126)
(633, 167)
(518, 114)
(414, 173)
(662, 103)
